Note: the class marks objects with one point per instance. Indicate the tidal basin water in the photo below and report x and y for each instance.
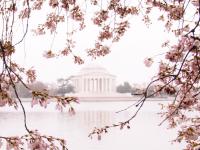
(144, 134)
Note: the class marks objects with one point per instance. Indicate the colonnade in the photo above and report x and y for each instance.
(94, 84)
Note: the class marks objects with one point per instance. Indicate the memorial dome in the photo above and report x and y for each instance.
(93, 68)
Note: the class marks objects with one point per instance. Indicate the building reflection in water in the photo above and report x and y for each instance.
(96, 118)
(88, 119)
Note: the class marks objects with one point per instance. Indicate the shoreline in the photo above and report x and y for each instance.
(113, 99)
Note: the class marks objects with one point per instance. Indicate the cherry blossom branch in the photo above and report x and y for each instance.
(27, 23)
(13, 18)
(140, 102)
(13, 85)
(181, 101)
(33, 140)
(18, 77)
(144, 94)
(197, 24)
(22, 106)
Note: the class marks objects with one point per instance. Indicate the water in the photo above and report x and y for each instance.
(144, 133)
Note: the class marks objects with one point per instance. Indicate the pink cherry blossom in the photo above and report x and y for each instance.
(37, 144)
(2, 102)
(148, 62)
(34, 102)
(44, 103)
(59, 107)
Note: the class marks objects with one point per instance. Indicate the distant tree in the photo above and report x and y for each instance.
(23, 92)
(64, 86)
(38, 85)
(136, 91)
(65, 89)
(70, 89)
(125, 88)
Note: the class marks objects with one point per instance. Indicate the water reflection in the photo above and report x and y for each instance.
(144, 133)
(95, 118)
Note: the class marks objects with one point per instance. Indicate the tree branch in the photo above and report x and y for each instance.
(13, 85)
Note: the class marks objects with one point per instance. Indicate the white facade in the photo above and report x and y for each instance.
(94, 79)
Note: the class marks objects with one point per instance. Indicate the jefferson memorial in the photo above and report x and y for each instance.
(94, 80)
(94, 83)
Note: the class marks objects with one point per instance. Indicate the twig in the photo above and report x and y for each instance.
(27, 24)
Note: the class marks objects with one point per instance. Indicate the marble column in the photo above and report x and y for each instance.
(97, 89)
(88, 84)
(95, 84)
(114, 85)
(100, 85)
(92, 85)
(82, 85)
(108, 90)
(104, 86)
(110, 84)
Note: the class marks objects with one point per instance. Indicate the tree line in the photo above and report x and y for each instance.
(60, 88)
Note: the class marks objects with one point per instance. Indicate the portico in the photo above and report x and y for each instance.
(94, 79)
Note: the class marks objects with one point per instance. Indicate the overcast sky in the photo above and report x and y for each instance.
(125, 60)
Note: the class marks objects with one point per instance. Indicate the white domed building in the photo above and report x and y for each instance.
(95, 83)
(94, 80)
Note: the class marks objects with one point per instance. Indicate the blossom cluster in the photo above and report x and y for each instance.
(32, 141)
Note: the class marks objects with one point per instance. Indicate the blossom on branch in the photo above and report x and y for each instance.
(148, 62)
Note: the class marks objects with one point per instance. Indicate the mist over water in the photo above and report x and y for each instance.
(144, 133)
